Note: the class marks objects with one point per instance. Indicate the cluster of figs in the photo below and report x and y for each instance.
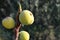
(25, 17)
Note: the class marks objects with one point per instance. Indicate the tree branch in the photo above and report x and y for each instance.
(18, 26)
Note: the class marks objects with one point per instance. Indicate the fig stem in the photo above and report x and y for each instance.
(17, 32)
(18, 24)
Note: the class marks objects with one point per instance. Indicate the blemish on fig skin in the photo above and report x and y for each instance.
(30, 13)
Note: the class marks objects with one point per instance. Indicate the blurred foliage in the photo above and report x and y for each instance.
(47, 18)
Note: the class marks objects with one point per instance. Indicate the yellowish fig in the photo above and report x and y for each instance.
(8, 22)
(26, 17)
(23, 35)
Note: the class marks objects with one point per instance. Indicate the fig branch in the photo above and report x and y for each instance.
(18, 26)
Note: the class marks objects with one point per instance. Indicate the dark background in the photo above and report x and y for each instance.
(47, 18)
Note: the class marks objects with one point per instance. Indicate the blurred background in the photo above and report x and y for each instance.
(47, 18)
